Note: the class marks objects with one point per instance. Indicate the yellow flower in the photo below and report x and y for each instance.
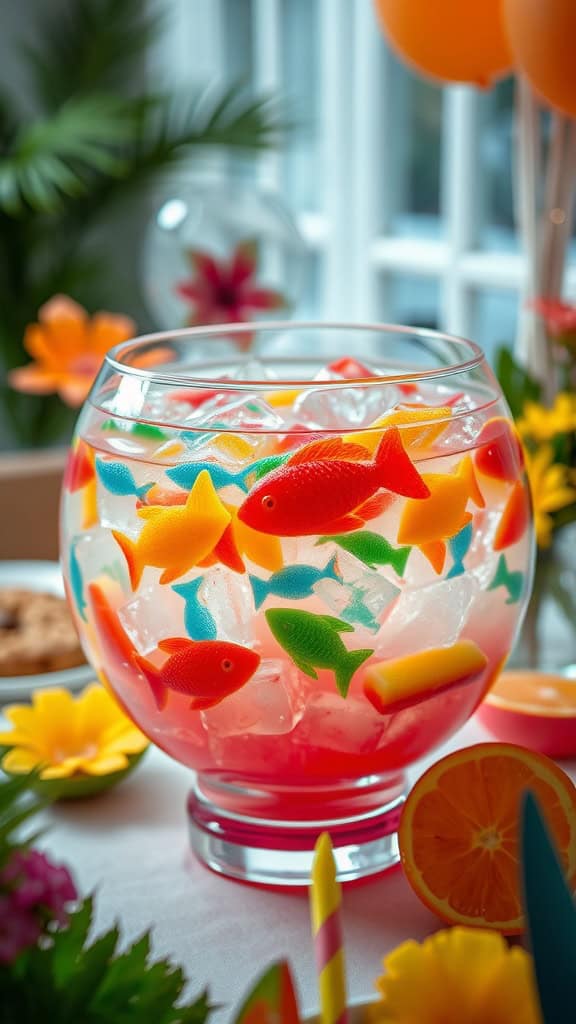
(458, 976)
(88, 735)
(541, 424)
(550, 486)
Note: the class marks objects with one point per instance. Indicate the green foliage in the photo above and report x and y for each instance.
(69, 165)
(516, 383)
(70, 977)
(18, 803)
(75, 978)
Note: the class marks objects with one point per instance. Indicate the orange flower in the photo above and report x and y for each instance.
(67, 347)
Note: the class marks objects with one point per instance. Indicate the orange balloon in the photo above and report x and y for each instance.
(451, 40)
(543, 35)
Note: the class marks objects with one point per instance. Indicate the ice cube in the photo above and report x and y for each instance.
(253, 369)
(429, 616)
(229, 599)
(361, 606)
(156, 613)
(270, 704)
(98, 554)
(340, 408)
(349, 725)
(230, 411)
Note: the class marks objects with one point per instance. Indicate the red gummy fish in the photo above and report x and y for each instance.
(327, 487)
(208, 671)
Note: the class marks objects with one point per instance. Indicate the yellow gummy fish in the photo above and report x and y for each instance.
(176, 537)
(428, 523)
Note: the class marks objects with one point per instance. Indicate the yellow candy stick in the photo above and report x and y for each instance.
(400, 682)
(325, 904)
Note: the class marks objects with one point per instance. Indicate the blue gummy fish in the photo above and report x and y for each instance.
(198, 620)
(295, 582)
(118, 479)
(513, 582)
(77, 583)
(186, 474)
(459, 548)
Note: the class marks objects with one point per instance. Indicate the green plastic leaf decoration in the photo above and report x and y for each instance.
(272, 1000)
(551, 917)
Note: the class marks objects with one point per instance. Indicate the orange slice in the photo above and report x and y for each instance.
(459, 832)
(536, 709)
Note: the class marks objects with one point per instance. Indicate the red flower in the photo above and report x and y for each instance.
(225, 291)
(559, 317)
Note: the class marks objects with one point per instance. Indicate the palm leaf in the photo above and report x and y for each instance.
(59, 155)
(551, 916)
(93, 45)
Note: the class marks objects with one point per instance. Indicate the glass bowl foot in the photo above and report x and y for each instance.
(278, 852)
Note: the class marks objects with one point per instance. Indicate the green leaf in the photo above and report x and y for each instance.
(516, 383)
(58, 156)
(89, 973)
(551, 916)
(93, 44)
(69, 943)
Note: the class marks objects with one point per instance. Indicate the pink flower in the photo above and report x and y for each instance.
(559, 317)
(36, 884)
(225, 291)
(19, 929)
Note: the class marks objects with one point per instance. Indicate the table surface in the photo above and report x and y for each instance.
(130, 847)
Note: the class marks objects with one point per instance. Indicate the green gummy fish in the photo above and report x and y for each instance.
(371, 549)
(312, 642)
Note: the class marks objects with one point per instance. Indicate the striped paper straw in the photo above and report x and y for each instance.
(325, 901)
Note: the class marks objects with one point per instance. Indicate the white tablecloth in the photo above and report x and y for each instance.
(130, 846)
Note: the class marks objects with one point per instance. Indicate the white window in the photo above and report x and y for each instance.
(401, 190)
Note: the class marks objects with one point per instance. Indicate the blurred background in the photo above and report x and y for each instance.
(135, 136)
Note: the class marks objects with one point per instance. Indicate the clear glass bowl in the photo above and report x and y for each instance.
(299, 555)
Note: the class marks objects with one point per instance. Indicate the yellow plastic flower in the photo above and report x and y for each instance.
(67, 736)
(67, 347)
(458, 976)
(541, 424)
(550, 484)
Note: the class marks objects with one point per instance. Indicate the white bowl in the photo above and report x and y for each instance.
(45, 577)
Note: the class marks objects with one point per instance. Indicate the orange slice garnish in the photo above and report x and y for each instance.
(537, 709)
(459, 832)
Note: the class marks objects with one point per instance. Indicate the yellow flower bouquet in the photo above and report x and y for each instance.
(547, 429)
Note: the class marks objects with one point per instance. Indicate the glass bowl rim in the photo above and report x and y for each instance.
(113, 358)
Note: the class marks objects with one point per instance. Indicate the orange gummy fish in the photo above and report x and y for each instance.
(428, 524)
(328, 487)
(208, 671)
(115, 645)
(175, 538)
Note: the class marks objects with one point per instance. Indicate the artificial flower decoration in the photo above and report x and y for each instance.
(226, 291)
(36, 895)
(551, 484)
(67, 347)
(542, 424)
(458, 976)
(559, 318)
(81, 745)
